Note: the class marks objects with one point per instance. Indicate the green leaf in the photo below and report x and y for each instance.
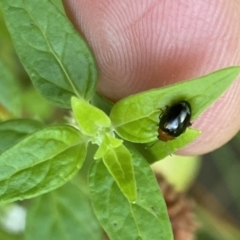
(100, 102)
(6, 235)
(121, 219)
(136, 117)
(159, 150)
(108, 142)
(59, 5)
(90, 119)
(41, 162)
(36, 105)
(13, 131)
(7, 51)
(57, 59)
(62, 214)
(9, 93)
(119, 163)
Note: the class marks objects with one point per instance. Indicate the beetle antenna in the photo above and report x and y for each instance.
(152, 144)
(167, 148)
(165, 145)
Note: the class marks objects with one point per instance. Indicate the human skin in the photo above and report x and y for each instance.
(147, 44)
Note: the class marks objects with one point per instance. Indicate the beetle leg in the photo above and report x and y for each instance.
(162, 111)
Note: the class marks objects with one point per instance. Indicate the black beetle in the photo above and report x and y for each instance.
(174, 120)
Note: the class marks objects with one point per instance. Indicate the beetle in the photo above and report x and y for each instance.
(174, 121)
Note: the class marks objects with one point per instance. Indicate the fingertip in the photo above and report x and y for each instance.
(218, 124)
(143, 45)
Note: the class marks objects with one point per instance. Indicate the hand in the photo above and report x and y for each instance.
(141, 45)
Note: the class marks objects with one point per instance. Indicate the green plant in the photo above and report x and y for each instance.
(36, 159)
